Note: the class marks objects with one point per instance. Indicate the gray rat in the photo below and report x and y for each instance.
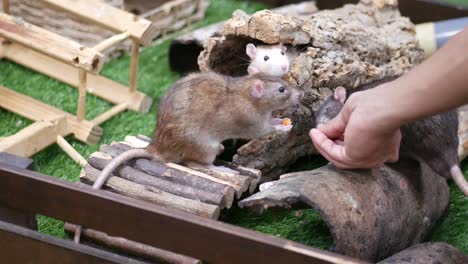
(433, 139)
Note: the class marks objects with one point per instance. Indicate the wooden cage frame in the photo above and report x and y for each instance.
(73, 64)
(166, 228)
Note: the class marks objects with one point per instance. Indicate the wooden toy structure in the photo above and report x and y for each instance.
(74, 64)
(166, 15)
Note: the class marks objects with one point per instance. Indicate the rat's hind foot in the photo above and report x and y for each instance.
(222, 169)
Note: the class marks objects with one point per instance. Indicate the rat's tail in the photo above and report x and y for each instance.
(106, 172)
(122, 158)
(459, 179)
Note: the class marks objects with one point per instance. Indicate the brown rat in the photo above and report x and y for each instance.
(203, 109)
(433, 139)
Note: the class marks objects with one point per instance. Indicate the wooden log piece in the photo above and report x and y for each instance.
(236, 187)
(99, 160)
(138, 191)
(50, 44)
(254, 174)
(243, 182)
(214, 176)
(142, 141)
(179, 174)
(183, 178)
(131, 247)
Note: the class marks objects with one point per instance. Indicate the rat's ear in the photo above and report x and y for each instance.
(251, 50)
(283, 47)
(340, 94)
(258, 89)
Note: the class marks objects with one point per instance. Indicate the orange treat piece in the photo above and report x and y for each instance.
(286, 122)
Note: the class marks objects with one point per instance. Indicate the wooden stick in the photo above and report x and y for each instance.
(71, 151)
(110, 17)
(82, 82)
(112, 41)
(50, 44)
(131, 247)
(100, 160)
(100, 86)
(138, 191)
(109, 113)
(142, 141)
(164, 172)
(178, 167)
(254, 174)
(133, 78)
(34, 138)
(32, 109)
(241, 182)
(6, 6)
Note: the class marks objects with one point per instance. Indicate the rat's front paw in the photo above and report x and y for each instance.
(252, 70)
(283, 128)
(282, 124)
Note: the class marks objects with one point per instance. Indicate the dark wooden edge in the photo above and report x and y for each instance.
(21, 245)
(164, 228)
(419, 11)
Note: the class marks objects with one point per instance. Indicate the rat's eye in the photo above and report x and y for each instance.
(266, 58)
(282, 89)
(282, 52)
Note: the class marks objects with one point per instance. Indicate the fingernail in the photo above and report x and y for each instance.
(312, 131)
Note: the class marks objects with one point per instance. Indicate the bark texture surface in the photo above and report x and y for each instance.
(428, 253)
(348, 46)
(371, 214)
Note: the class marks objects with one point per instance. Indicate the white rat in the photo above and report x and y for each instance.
(270, 60)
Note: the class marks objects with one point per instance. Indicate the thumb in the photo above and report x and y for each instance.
(335, 128)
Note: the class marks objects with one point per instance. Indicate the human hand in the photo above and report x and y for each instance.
(362, 135)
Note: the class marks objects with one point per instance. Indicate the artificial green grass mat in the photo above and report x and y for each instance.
(154, 79)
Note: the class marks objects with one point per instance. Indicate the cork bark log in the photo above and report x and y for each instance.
(348, 46)
(428, 253)
(371, 214)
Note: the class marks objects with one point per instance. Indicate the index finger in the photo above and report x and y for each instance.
(334, 128)
(327, 147)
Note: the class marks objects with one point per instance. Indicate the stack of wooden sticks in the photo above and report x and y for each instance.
(198, 191)
(194, 190)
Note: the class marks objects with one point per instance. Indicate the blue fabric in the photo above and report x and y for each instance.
(444, 30)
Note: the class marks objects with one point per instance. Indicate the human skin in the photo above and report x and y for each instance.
(366, 133)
